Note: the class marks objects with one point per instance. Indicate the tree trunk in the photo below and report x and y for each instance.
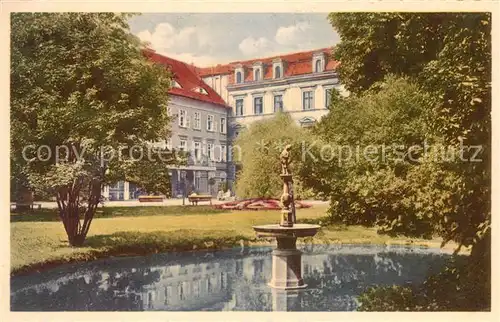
(71, 211)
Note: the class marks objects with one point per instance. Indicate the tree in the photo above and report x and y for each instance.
(85, 106)
(257, 149)
(366, 171)
(448, 57)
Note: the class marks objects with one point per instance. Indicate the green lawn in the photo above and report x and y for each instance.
(38, 240)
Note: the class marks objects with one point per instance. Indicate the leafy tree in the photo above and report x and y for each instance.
(85, 103)
(258, 149)
(361, 161)
(448, 58)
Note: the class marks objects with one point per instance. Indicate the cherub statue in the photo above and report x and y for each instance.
(285, 159)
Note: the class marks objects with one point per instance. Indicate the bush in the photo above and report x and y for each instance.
(261, 145)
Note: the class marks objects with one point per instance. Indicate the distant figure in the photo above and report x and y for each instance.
(285, 159)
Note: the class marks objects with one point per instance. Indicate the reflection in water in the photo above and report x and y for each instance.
(222, 281)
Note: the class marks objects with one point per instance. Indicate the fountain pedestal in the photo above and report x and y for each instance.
(287, 265)
(287, 259)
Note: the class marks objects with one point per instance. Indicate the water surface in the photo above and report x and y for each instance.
(228, 280)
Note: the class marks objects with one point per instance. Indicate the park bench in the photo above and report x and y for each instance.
(29, 205)
(150, 199)
(194, 199)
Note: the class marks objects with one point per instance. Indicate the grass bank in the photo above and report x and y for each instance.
(41, 242)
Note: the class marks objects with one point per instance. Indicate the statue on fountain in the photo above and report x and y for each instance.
(288, 211)
(285, 159)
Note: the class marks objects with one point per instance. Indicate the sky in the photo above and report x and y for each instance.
(207, 39)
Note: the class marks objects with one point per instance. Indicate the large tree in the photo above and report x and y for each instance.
(448, 55)
(86, 104)
(257, 150)
(447, 58)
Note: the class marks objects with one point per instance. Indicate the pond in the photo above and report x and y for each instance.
(226, 280)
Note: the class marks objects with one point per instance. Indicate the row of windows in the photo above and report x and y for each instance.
(211, 124)
(212, 151)
(258, 102)
(257, 72)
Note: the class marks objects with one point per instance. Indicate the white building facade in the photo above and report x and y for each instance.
(299, 84)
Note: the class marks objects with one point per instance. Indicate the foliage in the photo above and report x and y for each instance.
(81, 87)
(259, 148)
(367, 172)
(447, 56)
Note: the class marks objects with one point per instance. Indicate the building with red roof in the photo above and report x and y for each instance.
(199, 126)
(211, 105)
(297, 83)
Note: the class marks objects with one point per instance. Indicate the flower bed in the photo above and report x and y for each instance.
(258, 204)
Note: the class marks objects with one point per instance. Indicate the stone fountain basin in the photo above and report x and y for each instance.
(275, 230)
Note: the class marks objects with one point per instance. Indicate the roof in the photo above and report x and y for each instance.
(295, 64)
(187, 77)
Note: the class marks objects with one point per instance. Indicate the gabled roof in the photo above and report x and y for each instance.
(294, 64)
(187, 77)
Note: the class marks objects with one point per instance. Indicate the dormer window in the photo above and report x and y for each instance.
(239, 74)
(277, 68)
(319, 62)
(200, 90)
(257, 71)
(256, 74)
(317, 66)
(176, 85)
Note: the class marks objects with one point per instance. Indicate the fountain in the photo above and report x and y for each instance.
(287, 259)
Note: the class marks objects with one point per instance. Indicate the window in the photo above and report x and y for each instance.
(277, 72)
(238, 78)
(307, 100)
(197, 150)
(328, 96)
(197, 120)
(256, 75)
(239, 107)
(182, 145)
(257, 105)
(222, 125)
(182, 118)
(223, 152)
(176, 84)
(318, 66)
(201, 90)
(210, 123)
(210, 151)
(278, 103)
(169, 111)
